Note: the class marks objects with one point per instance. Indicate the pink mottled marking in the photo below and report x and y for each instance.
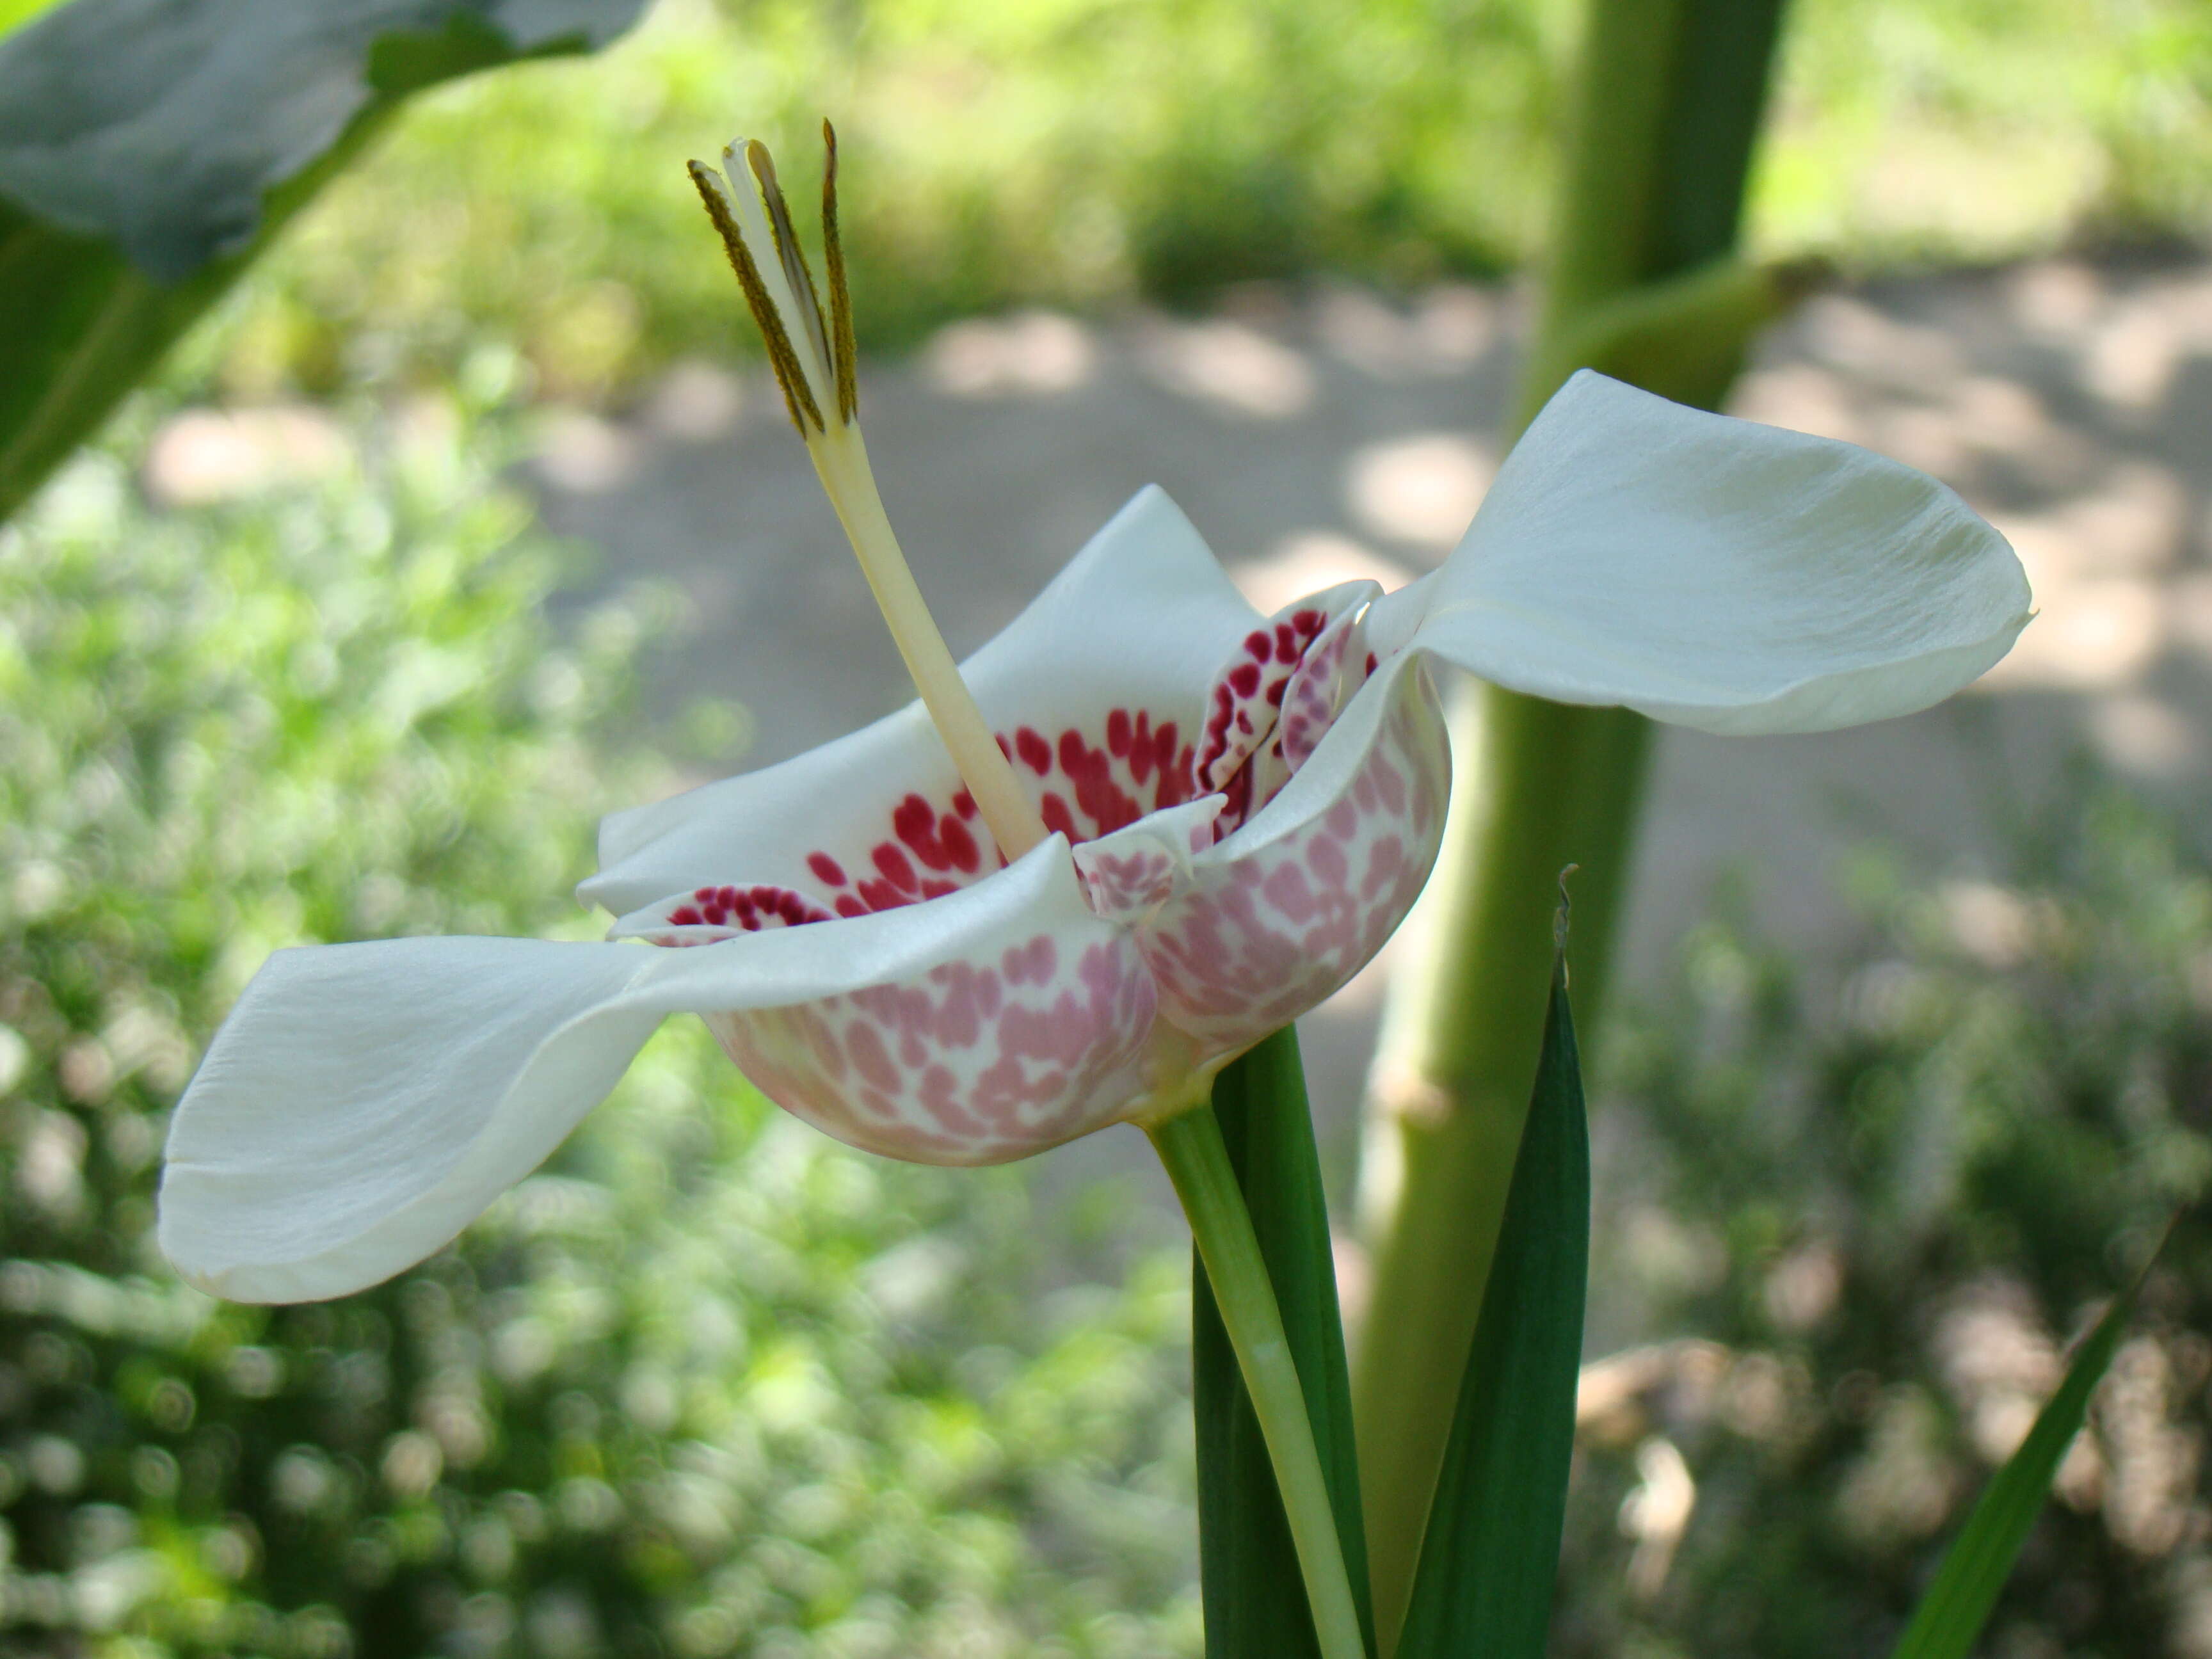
(970, 1063)
(1258, 939)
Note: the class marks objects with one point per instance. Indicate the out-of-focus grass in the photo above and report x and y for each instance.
(1939, 130)
(1080, 152)
(1069, 151)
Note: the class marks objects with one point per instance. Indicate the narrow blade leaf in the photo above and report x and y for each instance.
(1255, 1608)
(1492, 1551)
(1950, 1617)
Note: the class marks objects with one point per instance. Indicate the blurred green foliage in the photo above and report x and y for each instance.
(707, 1384)
(1859, 1231)
(1085, 152)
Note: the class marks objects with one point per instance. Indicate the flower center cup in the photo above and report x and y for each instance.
(1220, 924)
(1214, 929)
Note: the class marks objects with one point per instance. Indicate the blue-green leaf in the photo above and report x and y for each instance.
(150, 148)
(1490, 1554)
(1950, 1617)
(1254, 1598)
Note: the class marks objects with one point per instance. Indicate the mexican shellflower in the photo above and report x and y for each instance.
(1137, 832)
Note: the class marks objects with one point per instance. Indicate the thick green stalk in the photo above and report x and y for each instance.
(1190, 1145)
(1668, 105)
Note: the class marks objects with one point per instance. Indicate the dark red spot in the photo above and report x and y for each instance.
(915, 823)
(959, 845)
(1245, 678)
(881, 896)
(826, 868)
(1098, 797)
(848, 905)
(1118, 734)
(963, 803)
(1036, 752)
(1057, 818)
(1140, 747)
(895, 867)
(1239, 791)
(685, 916)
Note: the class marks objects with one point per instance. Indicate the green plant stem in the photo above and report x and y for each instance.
(1248, 1560)
(1668, 99)
(1190, 1147)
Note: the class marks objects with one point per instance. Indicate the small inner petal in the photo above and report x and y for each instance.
(1333, 668)
(1277, 693)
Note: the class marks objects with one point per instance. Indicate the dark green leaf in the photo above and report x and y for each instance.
(1492, 1551)
(15, 14)
(1256, 1605)
(150, 148)
(1950, 1616)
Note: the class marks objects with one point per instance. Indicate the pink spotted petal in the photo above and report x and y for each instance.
(1291, 906)
(1239, 750)
(1335, 666)
(1096, 689)
(364, 1102)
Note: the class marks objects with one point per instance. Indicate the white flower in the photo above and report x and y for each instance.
(1236, 812)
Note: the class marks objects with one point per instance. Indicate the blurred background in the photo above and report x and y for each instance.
(470, 515)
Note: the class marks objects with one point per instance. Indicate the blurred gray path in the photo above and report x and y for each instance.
(1336, 435)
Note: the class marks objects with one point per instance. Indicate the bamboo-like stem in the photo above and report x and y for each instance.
(1190, 1145)
(1668, 101)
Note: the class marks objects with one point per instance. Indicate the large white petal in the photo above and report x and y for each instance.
(1140, 621)
(364, 1102)
(1716, 573)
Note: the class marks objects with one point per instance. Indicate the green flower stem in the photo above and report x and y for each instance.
(1669, 97)
(1190, 1145)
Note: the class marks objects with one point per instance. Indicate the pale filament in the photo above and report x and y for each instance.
(811, 356)
(840, 459)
